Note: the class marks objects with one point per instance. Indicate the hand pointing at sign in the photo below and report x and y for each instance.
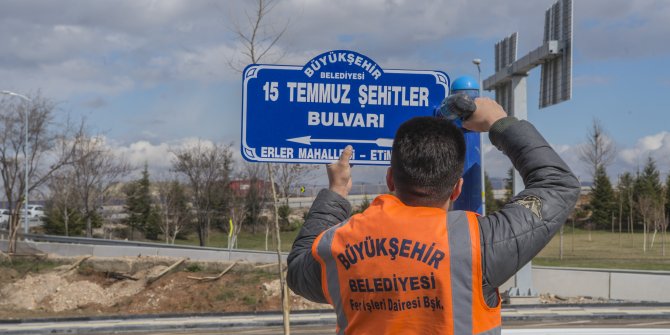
(339, 173)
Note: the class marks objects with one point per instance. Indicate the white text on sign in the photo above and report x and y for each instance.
(322, 153)
(353, 120)
(330, 93)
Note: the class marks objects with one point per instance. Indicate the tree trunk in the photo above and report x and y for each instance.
(665, 228)
(282, 279)
(13, 230)
(630, 215)
(201, 228)
(573, 236)
(560, 248)
(653, 238)
(66, 220)
(267, 233)
(166, 225)
(89, 227)
(620, 210)
(209, 222)
(644, 235)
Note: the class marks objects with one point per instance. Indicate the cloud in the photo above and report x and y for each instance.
(157, 156)
(76, 47)
(95, 103)
(138, 62)
(497, 164)
(628, 158)
(621, 28)
(73, 47)
(656, 146)
(103, 47)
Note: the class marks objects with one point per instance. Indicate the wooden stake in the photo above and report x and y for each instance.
(215, 277)
(166, 271)
(78, 263)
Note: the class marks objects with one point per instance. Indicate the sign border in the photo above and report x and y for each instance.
(251, 72)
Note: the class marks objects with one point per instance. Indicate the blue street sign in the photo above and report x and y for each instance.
(308, 114)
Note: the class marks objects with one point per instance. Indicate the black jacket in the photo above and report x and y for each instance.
(510, 237)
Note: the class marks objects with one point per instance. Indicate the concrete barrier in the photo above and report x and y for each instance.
(571, 282)
(630, 285)
(193, 253)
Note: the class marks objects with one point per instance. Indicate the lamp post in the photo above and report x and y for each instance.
(25, 150)
(478, 61)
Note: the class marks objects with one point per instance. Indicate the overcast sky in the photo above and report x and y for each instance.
(156, 74)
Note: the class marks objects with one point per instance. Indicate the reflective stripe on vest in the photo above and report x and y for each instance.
(331, 287)
(462, 284)
(400, 269)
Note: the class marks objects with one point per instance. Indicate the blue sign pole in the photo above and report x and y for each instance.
(471, 196)
(308, 114)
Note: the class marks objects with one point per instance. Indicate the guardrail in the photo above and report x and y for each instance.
(617, 284)
(78, 246)
(102, 241)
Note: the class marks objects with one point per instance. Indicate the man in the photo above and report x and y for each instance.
(408, 266)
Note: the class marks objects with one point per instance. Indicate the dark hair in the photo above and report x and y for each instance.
(427, 160)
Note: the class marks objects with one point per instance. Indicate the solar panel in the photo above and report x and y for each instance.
(556, 73)
(505, 55)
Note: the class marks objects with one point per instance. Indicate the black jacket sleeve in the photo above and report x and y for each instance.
(512, 236)
(304, 272)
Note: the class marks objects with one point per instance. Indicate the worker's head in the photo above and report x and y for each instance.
(427, 162)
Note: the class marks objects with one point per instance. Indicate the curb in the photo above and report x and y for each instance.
(229, 321)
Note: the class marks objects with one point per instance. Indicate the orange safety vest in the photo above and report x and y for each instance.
(397, 269)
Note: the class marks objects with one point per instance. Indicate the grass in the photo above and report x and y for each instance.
(604, 249)
(219, 239)
(226, 294)
(249, 300)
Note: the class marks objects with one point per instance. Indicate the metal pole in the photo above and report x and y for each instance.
(478, 61)
(524, 277)
(25, 149)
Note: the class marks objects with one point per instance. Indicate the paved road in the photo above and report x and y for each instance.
(617, 319)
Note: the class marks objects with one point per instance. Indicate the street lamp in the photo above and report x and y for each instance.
(25, 149)
(478, 61)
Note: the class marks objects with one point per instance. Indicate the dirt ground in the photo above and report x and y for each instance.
(120, 286)
(52, 287)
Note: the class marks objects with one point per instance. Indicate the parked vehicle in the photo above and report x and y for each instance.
(4, 218)
(35, 211)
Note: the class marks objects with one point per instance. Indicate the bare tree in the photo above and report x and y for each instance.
(645, 205)
(237, 214)
(62, 197)
(96, 169)
(206, 168)
(658, 221)
(173, 208)
(666, 221)
(288, 177)
(256, 196)
(599, 150)
(258, 41)
(48, 149)
(258, 38)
